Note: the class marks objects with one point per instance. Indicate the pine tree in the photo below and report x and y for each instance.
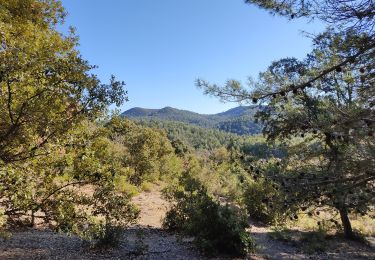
(322, 108)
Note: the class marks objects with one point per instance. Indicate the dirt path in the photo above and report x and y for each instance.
(268, 248)
(153, 208)
(147, 240)
(337, 248)
(148, 233)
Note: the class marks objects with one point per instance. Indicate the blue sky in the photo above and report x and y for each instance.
(159, 48)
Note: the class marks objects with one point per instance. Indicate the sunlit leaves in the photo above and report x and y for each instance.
(46, 86)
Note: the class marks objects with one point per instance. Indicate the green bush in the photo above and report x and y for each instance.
(4, 234)
(112, 215)
(216, 228)
(146, 186)
(104, 235)
(264, 203)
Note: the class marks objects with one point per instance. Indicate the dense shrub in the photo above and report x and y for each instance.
(104, 235)
(264, 203)
(216, 228)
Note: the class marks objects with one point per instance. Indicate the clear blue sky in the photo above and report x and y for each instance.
(160, 47)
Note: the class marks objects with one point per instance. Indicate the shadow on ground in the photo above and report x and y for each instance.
(137, 243)
(295, 244)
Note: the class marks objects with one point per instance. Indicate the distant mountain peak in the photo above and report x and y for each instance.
(167, 109)
(239, 120)
(239, 111)
(236, 111)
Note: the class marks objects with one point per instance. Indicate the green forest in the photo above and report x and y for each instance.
(298, 161)
(239, 120)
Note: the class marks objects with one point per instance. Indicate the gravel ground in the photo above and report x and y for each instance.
(337, 248)
(39, 244)
(148, 240)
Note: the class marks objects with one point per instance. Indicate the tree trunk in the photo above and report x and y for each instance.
(348, 231)
(32, 224)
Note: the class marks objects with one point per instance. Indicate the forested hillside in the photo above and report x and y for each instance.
(238, 120)
(190, 136)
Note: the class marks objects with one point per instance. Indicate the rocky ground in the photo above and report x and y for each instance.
(148, 240)
(336, 248)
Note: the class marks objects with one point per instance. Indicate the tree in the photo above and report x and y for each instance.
(147, 149)
(56, 164)
(45, 85)
(347, 14)
(322, 107)
(217, 228)
(77, 188)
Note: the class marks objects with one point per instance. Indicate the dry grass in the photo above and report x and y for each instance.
(365, 225)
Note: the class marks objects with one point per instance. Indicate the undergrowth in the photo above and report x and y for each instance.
(218, 229)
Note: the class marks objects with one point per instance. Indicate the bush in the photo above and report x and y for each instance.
(147, 186)
(111, 215)
(104, 235)
(4, 234)
(264, 203)
(216, 228)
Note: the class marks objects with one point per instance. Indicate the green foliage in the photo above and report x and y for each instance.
(71, 188)
(186, 138)
(46, 88)
(240, 125)
(321, 108)
(86, 186)
(54, 164)
(264, 203)
(122, 184)
(63, 165)
(218, 172)
(358, 17)
(148, 151)
(60, 165)
(103, 235)
(327, 153)
(257, 147)
(216, 228)
(4, 234)
(146, 186)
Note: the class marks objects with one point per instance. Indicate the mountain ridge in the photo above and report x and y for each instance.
(238, 120)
